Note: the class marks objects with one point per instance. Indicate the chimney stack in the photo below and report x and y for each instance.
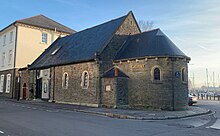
(116, 72)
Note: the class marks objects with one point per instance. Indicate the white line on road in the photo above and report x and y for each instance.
(216, 125)
(2, 132)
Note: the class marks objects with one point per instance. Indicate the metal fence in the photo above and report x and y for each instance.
(209, 97)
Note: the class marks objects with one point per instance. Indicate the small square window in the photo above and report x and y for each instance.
(107, 88)
(44, 37)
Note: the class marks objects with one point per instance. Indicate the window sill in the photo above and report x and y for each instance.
(157, 82)
(43, 43)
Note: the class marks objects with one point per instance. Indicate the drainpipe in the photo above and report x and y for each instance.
(173, 94)
(53, 84)
(99, 89)
(14, 71)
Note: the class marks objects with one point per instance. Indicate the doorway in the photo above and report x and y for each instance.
(39, 88)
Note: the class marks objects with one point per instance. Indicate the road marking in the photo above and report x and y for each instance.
(52, 110)
(2, 132)
(216, 125)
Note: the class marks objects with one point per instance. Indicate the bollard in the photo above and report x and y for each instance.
(218, 98)
(210, 97)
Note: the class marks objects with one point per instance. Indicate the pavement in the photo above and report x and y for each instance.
(120, 113)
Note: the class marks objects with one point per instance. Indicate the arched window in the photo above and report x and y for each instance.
(65, 80)
(156, 74)
(183, 74)
(85, 80)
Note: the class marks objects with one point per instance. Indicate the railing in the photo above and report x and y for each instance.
(209, 97)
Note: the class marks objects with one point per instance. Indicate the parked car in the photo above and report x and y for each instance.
(192, 99)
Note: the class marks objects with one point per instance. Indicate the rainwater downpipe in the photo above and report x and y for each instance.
(173, 95)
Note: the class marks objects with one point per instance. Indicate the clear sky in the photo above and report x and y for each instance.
(193, 25)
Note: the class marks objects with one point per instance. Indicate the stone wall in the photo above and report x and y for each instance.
(114, 92)
(144, 92)
(24, 83)
(109, 92)
(109, 53)
(122, 92)
(74, 93)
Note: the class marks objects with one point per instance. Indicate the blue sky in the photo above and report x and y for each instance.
(193, 25)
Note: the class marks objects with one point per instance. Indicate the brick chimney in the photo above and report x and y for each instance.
(116, 72)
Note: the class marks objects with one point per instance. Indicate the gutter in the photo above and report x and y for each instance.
(15, 50)
(69, 63)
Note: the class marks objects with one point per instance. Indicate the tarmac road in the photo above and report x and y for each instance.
(17, 119)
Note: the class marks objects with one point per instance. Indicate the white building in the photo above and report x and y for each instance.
(21, 43)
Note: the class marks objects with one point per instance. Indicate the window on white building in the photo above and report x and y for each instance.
(10, 57)
(11, 36)
(85, 80)
(1, 83)
(65, 80)
(44, 37)
(4, 40)
(8, 83)
(3, 59)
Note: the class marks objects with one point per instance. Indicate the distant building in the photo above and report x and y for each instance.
(113, 65)
(21, 43)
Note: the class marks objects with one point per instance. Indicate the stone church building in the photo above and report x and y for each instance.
(114, 65)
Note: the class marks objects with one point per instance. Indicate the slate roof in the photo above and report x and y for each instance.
(111, 73)
(78, 47)
(151, 43)
(45, 22)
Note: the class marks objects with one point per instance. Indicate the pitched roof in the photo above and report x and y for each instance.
(151, 43)
(78, 47)
(45, 22)
(111, 73)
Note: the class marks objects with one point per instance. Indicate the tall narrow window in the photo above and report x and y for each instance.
(1, 83)
(156, 74)
(10, 57)
(45, 87)
(4, 40)
(183, 74)
(8, 83)
(85, 80)
(44, 37)
(3, 59)
(11, 36)
(65, 80)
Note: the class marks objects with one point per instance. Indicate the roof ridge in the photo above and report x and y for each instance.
(28, 18)
(94, 26)
(56, 22)
(45, 22)
(103, 23)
